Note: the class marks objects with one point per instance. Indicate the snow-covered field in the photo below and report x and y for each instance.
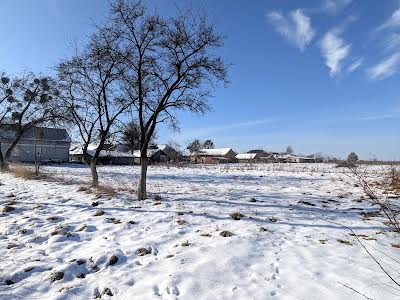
(57, 244)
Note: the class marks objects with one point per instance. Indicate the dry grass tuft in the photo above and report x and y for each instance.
(181, 221)
(57, 276)
(84, 189)
(273, 219)
(106, 190)
(226, 233)
(101, 190)
(23, 172)
(99, 213)
(143, 251)
(8, 208)
(236, 216)
(344, 242)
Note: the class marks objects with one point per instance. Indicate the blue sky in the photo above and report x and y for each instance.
(322, 76)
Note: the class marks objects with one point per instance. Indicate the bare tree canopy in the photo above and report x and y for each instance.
(92, 92)
(352, 157)
(208, 144)
(289, 150)
(26, 101)
(131, 136)
(194, 146)
(172, 65)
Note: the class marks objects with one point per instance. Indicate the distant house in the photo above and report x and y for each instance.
(212, 156)
(303, 159)
(158, 154)
(289, 158)
(106, 157)
(247, 157)
(260, 153)
(37, 144)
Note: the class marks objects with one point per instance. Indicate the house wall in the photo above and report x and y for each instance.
(122, 160)
(27, 151)
(246, 160)
(214, 160)
(231, 156)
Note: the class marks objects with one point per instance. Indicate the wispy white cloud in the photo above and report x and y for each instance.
(392, 22)
(334, 50)
(386, 68)
(207, 130)
(296, 27)
(355, 65)
(376, 117)
(334, 6)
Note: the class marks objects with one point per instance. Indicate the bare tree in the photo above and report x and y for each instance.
(208, 144)
(352, 158)
(194, 146)
(172, 64)
(26, 102)
(92, 93)
(131, 136)
(289, 150)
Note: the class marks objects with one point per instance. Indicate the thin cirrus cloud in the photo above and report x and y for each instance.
(334, 6)
(296, 28)
(392, 22)
(355, 65)
(386, 68)
(335, 50)
(390, 65)
(208, 130)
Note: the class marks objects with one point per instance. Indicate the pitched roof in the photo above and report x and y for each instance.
(150, 152)
(8, 131)
(246, 156)
(214, 152)
(103, 153)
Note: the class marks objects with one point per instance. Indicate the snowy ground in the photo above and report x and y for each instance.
(53, 246)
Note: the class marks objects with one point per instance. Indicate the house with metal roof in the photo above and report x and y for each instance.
(38, 144)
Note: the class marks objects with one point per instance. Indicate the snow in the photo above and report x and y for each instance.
(54, 229)
(215, 152)
(246, 156)
(150, 153)
(103, 153)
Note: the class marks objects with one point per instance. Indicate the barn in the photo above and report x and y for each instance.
(247, 157)
(213, 156)
(37, 144)
(158, 154)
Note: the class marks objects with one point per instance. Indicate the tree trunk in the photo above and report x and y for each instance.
(93, 170)
(3, 165)
(142, 194)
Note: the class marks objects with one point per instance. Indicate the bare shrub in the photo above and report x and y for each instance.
(392, 179)
(389, 208)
